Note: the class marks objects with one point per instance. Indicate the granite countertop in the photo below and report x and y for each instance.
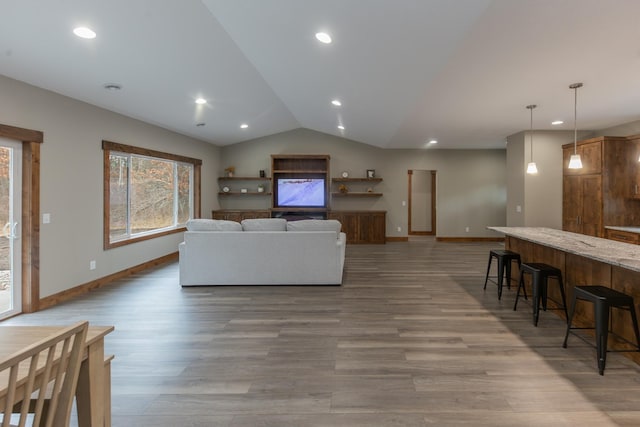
(623, 228)
(604, 250)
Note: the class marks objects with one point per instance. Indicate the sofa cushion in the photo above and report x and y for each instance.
(264, 224)
(202, 224)
(315, 225)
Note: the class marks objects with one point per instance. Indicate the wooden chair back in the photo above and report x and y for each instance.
(53, 363)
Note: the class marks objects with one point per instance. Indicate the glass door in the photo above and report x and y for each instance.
(10, 214)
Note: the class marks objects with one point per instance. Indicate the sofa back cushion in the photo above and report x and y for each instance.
(202, 224)
(315, 225)
(264, 224)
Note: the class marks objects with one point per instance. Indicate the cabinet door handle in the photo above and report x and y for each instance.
(635, 189)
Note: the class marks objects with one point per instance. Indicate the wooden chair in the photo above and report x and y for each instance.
(52, 363)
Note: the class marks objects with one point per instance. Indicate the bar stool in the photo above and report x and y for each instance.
(540, 274)
(504, 258)
(603, 300)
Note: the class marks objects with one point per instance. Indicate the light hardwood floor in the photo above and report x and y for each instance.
(410, 339)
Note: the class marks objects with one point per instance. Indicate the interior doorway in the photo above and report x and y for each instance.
(422, 202)
(10, 214)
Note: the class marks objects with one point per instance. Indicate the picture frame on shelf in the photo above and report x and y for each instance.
(371, 173)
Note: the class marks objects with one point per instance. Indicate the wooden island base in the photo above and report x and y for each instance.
(583, 260)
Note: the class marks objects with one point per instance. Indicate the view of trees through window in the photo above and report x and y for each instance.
(5, 193)
(147, 194)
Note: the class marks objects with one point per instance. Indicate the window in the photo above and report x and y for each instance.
(147, 193)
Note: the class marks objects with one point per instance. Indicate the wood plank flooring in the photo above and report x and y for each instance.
(410, 339)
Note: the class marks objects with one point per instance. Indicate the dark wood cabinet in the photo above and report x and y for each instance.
(598, 194)
(582, 204)
(623, 236)
(362, 226)
(633, 167)
(590, 152)
(239, 215)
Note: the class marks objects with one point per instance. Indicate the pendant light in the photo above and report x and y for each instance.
(575, 162)
(532, 169)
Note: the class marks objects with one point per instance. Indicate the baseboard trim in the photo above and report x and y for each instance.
(397, 239)
(68, 294)
(469, 239)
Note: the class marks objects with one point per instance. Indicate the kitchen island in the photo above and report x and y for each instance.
(583, 260)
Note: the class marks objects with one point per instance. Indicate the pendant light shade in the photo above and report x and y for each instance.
(575, 162)
(532, 169)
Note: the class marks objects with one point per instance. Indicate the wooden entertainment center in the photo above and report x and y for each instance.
(360, 226)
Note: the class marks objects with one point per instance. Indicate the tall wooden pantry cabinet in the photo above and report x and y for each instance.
(598, 194)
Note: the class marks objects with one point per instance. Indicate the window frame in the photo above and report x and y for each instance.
(108, 147)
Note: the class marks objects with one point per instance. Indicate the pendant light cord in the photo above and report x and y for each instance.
(531, 133)
(530, 108)
(575, 120)
(575, 87)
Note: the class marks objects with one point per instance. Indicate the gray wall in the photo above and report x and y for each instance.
(471, 184)
(539, 196)
(626, 129)
(72, 182)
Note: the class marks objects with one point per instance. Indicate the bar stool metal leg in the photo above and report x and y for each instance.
(601, 314)
(486, 278)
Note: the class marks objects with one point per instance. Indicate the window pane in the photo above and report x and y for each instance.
(184, 192)
(152, 183)
(117, 196)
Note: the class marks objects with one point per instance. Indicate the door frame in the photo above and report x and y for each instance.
(30, 229)
(433, 206)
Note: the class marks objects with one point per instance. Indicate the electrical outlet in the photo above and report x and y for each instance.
(46, 218)
(399, 229)
(92, 265)
(518, 208)
(466, 229)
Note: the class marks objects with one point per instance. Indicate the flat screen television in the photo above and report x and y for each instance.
(300, 192)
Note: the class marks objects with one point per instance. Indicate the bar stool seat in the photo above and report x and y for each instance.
(504, 258)
(540, 274)
(603, 299)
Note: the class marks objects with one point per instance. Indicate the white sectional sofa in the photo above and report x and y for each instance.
(267, 251)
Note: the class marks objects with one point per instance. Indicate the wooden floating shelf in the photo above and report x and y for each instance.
(356, 179)
(356, 194)
(248, 193)
(299, 171)
(243, 178)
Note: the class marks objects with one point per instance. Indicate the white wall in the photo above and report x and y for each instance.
(72, 182)
(471, 184)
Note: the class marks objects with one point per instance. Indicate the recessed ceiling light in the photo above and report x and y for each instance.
(557, 122)
(201, 101)
(340, 127)
(113, 87)
(323, 37)
(433, 141)
(200, 124)
(336, 102)
(84, 32)
(244, 126)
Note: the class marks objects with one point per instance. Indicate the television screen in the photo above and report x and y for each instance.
(300, 192)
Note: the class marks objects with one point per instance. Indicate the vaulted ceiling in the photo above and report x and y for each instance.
(406, 71)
